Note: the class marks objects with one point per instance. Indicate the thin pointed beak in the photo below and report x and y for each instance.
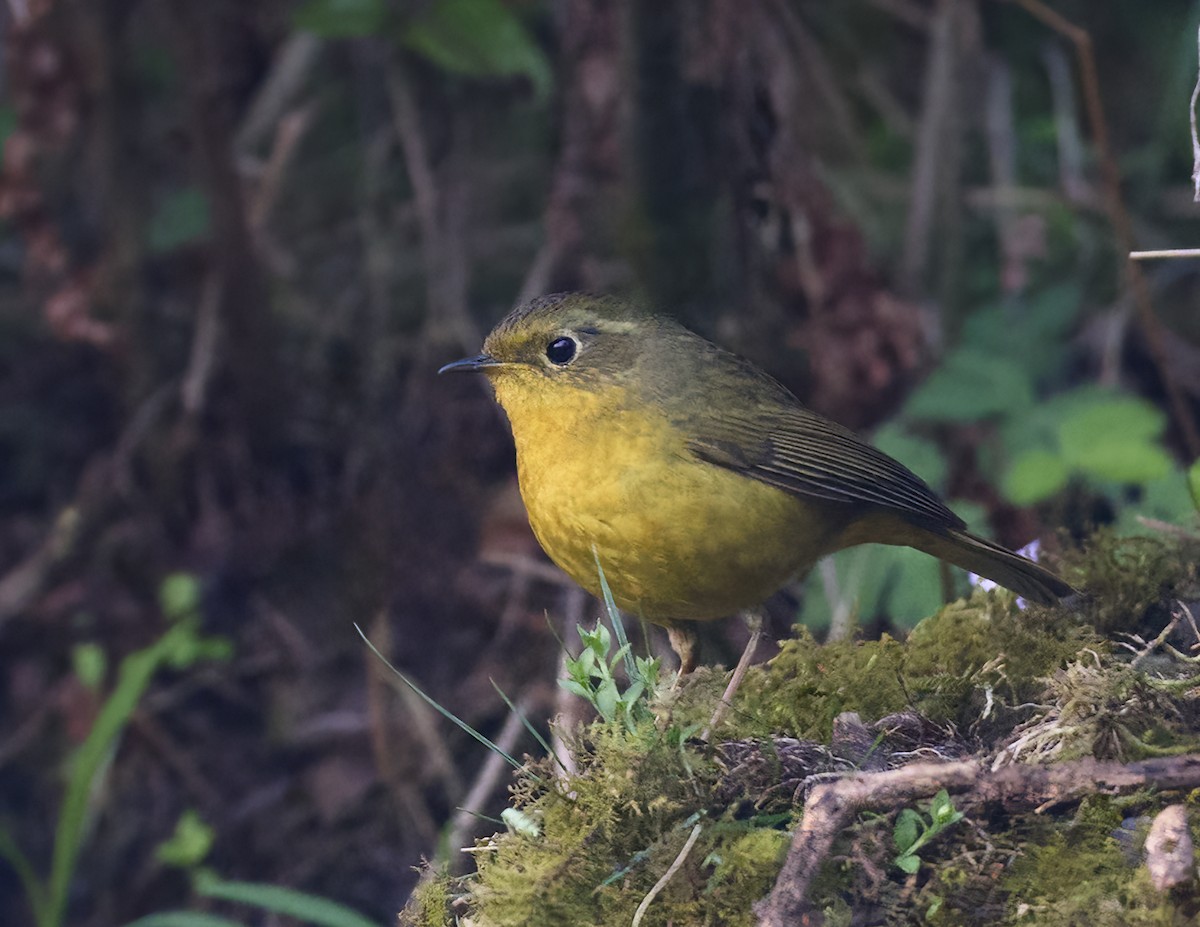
(478, 362)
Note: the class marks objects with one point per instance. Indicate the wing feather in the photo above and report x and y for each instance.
(801, 452)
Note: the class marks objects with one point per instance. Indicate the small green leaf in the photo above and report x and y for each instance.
(972, 383)
(309, 909)
(181, 219)
(521, 823)
(189, 845)
(607, 698)
(90, 663)
(342, 19)
(179, 596)
(575, 688)
(586, 661)
(1193, 477)
(1127, 417)
(1033, 476)
(478, 38)
(908, 828)
(909, 864)
(1127, 462)
(941, 809)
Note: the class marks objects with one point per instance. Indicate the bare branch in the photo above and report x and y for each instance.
(831, 805)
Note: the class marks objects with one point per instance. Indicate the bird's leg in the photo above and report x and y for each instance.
(754, 622)
(683, 640)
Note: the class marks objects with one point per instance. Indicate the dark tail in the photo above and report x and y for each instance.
(1012, 571)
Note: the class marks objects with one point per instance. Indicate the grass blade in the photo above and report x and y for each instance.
(433, 704)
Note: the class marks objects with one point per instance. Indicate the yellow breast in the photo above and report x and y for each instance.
(678, 538)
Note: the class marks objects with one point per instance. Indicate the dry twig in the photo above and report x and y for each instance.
(1195, 137)
(831, 805)
(666, 876)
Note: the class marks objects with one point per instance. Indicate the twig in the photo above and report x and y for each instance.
(1195, 137)
(831, 805)
(1118, 215)
(290, 67)
(931, 143)
(1149, 648)
(666, 876)
(1000, 134)
(1071, 158)
(292, 128)
(1166, 254)
(754, 623)
(194, 389)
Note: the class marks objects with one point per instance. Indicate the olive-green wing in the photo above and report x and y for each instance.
(790, 447)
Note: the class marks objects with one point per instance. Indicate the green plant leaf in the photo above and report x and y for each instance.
(606, 699)
(1032, 333)
(181, 219)
(90, 664)
(342, 19)
(478, 38)
(1111, 423)
(575, 688)
(1167, 499)
(519, 822)
(133, 677)
(908, 828)
(189, 844)
(972, 384)
(941, 809)
(909, 864)
(1033, 476)
(35, 890)
(1115, 438)
(1127, 462)
(1193, 480)
(914, 589)
(179, 595)
(310, 909)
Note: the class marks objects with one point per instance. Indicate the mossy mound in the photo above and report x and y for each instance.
(980, 678)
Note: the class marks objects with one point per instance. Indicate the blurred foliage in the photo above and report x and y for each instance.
(181, 646)
(303, 907)
(473, 38)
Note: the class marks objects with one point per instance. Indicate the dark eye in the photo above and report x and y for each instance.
(561, 351)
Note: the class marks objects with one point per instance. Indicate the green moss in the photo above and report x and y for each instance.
(429, 904)
(1041, 684)
(807, 685)
(944, 670)
(1083, 877)
(1127, 579)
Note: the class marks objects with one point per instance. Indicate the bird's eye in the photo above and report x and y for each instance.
(561, 351)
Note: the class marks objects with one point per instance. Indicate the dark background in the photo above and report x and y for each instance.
(238, 240)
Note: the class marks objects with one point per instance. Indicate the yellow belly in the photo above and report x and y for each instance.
(677, 538)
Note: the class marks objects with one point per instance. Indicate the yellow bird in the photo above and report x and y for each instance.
(699, 483)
